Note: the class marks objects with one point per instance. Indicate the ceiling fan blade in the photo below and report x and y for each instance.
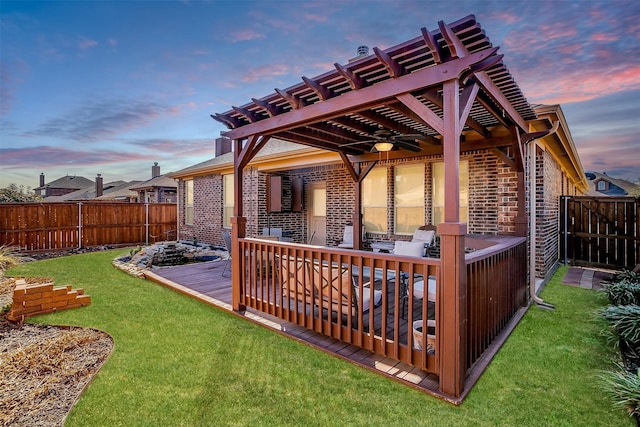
(408, 145)
(368, 141)
(410, 137)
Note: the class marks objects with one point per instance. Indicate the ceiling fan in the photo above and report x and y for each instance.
(385, 140)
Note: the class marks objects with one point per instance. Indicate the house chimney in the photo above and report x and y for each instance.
(99, 185)
(223, 146)
(41, 179)
(155, 170)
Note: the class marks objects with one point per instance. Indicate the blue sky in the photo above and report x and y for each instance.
(111, 87)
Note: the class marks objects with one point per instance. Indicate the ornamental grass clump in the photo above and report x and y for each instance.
(9, 257)
(625, 321)
(624, 389)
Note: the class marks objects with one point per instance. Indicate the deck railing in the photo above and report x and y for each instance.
(496, 289)
(293, 282)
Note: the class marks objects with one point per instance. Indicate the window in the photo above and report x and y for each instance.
(374, 201)
(438, 192)
(602, 186)
(409, 198)
(227, 202)
(188, 202)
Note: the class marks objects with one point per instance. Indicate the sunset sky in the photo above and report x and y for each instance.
(110, 87)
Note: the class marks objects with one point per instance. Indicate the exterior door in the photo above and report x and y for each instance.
(317, 214)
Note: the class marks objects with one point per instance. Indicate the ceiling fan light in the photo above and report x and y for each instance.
(383, 146)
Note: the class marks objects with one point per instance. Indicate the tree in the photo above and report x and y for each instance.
(15, 194)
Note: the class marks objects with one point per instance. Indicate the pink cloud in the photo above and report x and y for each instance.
(557, 30)
(604, 37)
(506, 17)
(266, 72)
(43, 156)
(581, 87)
(315, 17)
(246, 35)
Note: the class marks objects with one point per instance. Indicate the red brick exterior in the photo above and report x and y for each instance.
(492, 202)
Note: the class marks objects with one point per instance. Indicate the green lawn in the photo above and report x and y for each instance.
(181, 362)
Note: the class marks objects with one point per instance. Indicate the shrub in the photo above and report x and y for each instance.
(625, 320)
(9, 257)
(623, 292)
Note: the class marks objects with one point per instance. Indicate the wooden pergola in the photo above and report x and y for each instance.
(449, 85)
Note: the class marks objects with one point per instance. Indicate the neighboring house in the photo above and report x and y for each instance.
(601, 184)
(121, 193)
(116, 190)
(158, 189)
(61, 186)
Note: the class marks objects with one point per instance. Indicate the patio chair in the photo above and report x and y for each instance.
(331, 283)
(227, 242)
(347, 237)
(425, 234)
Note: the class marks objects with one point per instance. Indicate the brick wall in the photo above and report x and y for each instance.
(549, 188)
(492, 202)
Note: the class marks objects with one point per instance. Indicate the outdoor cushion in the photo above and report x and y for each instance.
(425, 236)
(408, 248)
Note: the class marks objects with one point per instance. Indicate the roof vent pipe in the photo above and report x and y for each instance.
(99, 187)
(363, 51)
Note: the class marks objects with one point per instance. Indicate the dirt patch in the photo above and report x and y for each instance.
(44, 369)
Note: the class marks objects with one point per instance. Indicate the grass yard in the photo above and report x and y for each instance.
(180, 362)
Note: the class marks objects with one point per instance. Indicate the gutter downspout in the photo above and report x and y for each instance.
(532, 214)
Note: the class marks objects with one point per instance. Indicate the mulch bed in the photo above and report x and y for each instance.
(44, 369)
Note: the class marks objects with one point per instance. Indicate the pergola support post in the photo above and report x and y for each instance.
(452, 293)
(238, 230)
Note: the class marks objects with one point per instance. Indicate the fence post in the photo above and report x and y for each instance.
(565, 229)
(146, 224)
(79, 225)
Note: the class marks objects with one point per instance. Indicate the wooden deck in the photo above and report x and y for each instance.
(204, 281)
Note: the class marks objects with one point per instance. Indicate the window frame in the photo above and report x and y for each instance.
(189, 211)
(464, 188)
(227, 202)
(398, 206)
(383, 170)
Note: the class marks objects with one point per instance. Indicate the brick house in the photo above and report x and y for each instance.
(601, 184)
(61, 186)
(457, 145)
(158, 189)
(491, 187)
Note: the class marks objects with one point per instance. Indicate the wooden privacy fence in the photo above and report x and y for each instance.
(600, 231)
(53, 226)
